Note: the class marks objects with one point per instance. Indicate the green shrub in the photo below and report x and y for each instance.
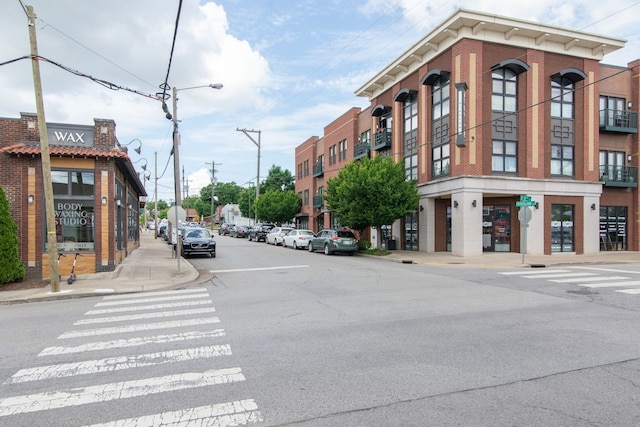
(364, 245)
(11, 269)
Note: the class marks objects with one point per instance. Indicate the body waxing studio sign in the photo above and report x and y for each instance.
(70, 135)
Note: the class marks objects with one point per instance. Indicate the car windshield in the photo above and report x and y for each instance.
(345, 234)
(198, 234)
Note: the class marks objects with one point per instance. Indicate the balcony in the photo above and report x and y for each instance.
(382, 140)
(318, 170)
(618, 121)
(361, 150)
(619, 176)
(318, 202)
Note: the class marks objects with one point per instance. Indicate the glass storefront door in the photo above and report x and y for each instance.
(411, 232)
(496, 228)
(613, 228)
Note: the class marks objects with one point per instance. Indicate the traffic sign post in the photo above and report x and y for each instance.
(524, 215)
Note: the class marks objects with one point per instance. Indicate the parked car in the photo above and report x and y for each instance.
(259, 231)
(297, 239)
(198, 241)
(331, 241)
(224, 229)
(239, 231)
(275, 236)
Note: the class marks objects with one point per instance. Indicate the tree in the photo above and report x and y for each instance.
(11, 269)
(371, 193)
(278, 206)
(226, 192)
(278, 179)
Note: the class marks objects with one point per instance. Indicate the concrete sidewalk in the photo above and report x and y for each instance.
(152, 267)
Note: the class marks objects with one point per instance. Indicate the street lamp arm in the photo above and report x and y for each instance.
(211, 85)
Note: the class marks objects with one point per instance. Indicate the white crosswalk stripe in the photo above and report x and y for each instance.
(136, 313)
(577, 275)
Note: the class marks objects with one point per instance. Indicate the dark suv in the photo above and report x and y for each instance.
(259, 231)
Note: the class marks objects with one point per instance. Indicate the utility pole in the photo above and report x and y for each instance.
(52, 245)
(257, 143)
(213, 182)
(155, 192)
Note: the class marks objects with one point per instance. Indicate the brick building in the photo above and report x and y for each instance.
(488, 113)
(97, 194)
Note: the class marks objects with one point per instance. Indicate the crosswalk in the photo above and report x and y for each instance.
(128, 330)
(587, 277)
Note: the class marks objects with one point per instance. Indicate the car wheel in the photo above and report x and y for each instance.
(310, 247)
(326, 250)
(295, 246)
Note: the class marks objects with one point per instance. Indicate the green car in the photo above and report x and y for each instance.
(330, 241)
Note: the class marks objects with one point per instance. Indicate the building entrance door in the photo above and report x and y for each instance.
(496, 228)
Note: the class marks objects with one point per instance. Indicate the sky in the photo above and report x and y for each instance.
(288, 68)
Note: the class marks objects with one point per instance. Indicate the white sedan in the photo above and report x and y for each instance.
(275, 236)
(297, 239)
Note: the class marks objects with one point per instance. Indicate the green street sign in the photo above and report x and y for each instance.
(525, 198)
(523, 203)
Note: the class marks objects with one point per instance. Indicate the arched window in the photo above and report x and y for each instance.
(504, 92)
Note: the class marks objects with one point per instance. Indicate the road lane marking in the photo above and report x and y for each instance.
(147, 307)
(120, 390)
(629, 291)
(140, 327)
(541, 271)
(131, 342)
(239, 412)
(610, 284)
(551, 276)
(155, 293)
(612, 270)
(141, 316)
(237, 270)
(589, 279)
(148, 300)
(117, 363)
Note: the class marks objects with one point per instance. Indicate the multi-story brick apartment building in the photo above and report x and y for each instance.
(97, 194)
(486, 113)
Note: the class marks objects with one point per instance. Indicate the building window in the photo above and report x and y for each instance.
(504, 157)
(440, 99)
(441, 158)
(562, 160)
(611, 108)
(133, 218)
(306, 168)
(562, 232)
(120, 201)
(504, 94)
(612, 165)
(342, 150)
(299, 170)
(562, 98)
(410, 142)
(73, 199)
(365, 138)
(332, 155)
(306, 198)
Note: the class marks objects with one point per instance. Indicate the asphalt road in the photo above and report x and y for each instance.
(284, 337)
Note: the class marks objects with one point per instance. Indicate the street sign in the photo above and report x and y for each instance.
(524, 215)
(522, 203)
(525, 198)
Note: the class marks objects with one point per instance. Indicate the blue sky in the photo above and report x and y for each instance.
(288, 67)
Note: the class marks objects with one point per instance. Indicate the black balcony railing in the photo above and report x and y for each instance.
(382, 139)
(318, 170)
(619, 176)
(318, 202)
(361, 150)
(618, 121)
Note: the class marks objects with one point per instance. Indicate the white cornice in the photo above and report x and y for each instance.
(493, 29)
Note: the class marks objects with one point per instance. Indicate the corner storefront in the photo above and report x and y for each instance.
(97, 194)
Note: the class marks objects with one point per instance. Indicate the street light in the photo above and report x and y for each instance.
(176, 157)
(257, 143)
